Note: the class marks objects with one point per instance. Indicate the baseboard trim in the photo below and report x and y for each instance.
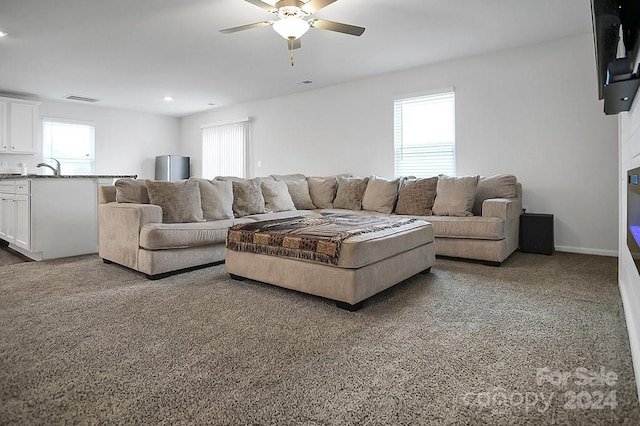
(581, 250)
(633, 326)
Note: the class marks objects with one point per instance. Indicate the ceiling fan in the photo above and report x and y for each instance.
(291, 23)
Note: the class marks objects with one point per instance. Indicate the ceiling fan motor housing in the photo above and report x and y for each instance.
(290, 9)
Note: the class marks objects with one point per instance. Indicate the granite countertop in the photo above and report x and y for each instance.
(36, 176)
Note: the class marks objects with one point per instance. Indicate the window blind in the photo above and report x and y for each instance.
(72, 143)
(424, 135)
(224, 149)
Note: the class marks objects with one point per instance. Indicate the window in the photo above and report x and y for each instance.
(224, 149)
(72, 143)
(424, 135)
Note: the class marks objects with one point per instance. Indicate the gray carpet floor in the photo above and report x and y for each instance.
(83, 342)
(9, 257)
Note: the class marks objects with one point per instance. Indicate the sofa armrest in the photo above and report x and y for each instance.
(119, 227)
(510, 210)
(504, 208)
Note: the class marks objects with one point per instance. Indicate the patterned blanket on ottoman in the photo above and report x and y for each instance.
(318, 238)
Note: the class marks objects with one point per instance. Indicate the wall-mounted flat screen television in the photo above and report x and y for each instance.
(633, 215)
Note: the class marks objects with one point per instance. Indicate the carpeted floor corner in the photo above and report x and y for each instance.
(539, 340)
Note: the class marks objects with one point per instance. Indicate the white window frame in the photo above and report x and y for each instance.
(439, 151)
(239, 132)
(66, 166)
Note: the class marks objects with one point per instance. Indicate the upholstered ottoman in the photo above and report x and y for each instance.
(374, 254)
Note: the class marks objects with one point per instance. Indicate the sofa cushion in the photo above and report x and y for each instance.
(380, 195)
(293, 176)
(276, 196)
(247, 196)
(131, 191)
(416, 196)
(160, 236)
(498, 186)
(323, 191)
(180, 200)
(217, 199)
(471, 227)
(350, 193)
(299, 191)
(455, 195)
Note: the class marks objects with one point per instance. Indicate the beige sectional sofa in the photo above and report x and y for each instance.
(160, 228)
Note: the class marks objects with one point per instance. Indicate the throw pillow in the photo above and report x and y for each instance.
(131, 191)
(247, 197)
(180, 200)
(381, 195)
(455, 195)
(350, 193)
(322, 191)
(498, 186)
(276, 196)
(299, 191)
(416, 196)
(216, 197)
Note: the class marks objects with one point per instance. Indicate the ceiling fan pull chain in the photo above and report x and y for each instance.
(291, 50)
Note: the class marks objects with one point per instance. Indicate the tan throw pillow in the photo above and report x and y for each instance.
(131, 191)
(380, 195)
(180, 200)
(455, 195)
(416, 196)
(323, 191)
(247, 197)
(276, 196)
(299, 191)
(498, 186)
(350, 193)
(217, 199)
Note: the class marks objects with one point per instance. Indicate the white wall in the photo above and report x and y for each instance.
(126, 142)
(629, 278)
(530, 111)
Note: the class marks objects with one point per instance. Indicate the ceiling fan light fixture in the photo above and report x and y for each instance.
(291, 28)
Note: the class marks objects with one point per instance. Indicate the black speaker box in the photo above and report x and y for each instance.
(536, 233)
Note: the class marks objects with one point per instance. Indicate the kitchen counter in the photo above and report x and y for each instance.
(36, 176)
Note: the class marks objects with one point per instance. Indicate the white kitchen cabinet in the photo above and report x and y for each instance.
(15, 227)
(7, 217)
(4, 124)
(23, 221)
(48, 218)
(18, 121)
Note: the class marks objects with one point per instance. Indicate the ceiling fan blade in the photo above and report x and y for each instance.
(263, 5)
(246, 27)
(336, 26)
(315, 5)
(295, 44)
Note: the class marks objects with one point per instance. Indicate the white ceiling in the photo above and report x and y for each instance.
(132, 53)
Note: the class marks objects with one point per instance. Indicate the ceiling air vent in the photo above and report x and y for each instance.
(81, 99)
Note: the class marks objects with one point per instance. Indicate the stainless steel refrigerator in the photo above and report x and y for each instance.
(172, 167)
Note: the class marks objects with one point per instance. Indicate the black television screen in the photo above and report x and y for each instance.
(633, 215)
(615, 21)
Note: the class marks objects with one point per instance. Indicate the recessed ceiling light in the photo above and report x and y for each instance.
(3, 34)
(168, 98)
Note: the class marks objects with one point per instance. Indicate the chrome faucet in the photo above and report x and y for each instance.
(56, 170)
